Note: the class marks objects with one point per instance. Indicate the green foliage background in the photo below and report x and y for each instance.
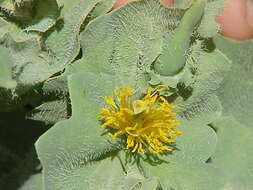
(59, 58)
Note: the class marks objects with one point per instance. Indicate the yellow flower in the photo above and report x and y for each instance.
(148, 123)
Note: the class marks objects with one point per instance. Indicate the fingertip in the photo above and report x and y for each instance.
(167, 3)
(119, 3)
(234, 20)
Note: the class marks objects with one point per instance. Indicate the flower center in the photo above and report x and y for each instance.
(148, 123)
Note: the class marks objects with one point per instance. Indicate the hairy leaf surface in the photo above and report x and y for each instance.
(79, 139)
(234, 154)
(236, 91)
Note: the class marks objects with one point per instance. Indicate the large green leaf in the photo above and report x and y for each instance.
(236, 92)
(121, 48)
(127, 40)
(185, 168)
(106, 174)
(196, 144)
(234, 154)
(209, 72)
(139, 58)
(31, 64)
(67, 47)
(79, 141)
(68, 146)
(181, 176)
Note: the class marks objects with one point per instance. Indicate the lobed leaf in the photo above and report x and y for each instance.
(67, 47)
(127, 41)
(236, 91)
(186, 167)
(210, 69)
(234, 153)
(79, 139)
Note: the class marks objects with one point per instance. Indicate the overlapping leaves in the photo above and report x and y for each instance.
(123, 55)
(80, 141)
(33, 56)
(118, 49)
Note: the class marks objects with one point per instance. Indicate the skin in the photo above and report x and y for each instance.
(236, 20)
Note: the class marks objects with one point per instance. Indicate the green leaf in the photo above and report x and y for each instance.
(181, 176)
(66, 6)
(106, 174)
(182, 4)
(46, 13)
(196, 144)
(185, 168)
(234, 154)
(210, 69)
(30, 64)
(203, 111)
(56, 105)
(56, 87)
(92, 62)
(236, 92)
(67, 147)
(101, 8)
(67, 47)
(133, 179)
(50, 112)
(127, 41)
(209, 27)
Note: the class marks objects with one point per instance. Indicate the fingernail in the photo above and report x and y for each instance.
(249, 8)
(167, 3)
